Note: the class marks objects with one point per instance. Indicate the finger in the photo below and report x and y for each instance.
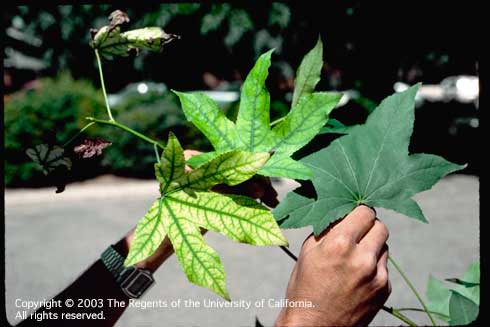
(382, 279)
(357, 223)
(375, 238)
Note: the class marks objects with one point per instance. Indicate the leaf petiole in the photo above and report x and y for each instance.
(127, 129)
(101, 75)
(77, 134)
(410, 285)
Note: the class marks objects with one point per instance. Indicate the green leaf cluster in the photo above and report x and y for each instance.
(371, 165)
(459, 303)
(186, 206)
(252, 130)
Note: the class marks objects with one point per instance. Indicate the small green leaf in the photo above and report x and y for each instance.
(304, 121)
(462, 311)
(308, 74)
(148, 235)
(284, 166)
(253, 118)
(471, 288)
(109, 41)
(171, 169)
(203, 112)
(48, 158)
(371, 166)
(438, 295)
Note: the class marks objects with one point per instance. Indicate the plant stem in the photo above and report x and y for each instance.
(399, 315)
(155, 147)
(127, 129)
(391, 311)
(277, 121)
(422, 310)
(77, 134)
(101, 74)
(410, 285)
(289, 253)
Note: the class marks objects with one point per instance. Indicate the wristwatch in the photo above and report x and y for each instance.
(134, 281)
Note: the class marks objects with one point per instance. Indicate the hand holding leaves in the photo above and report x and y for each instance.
(371, 166)
(186, 205)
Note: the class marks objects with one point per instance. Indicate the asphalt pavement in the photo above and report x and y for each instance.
(51, 238)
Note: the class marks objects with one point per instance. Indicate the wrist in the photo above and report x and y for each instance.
(296, 317)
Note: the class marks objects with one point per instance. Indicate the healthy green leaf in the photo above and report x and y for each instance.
(109, 41)
(369, 166)
(308, 74)
(253, 118)
(252, 131)
(471, 288)
(462, 311)
(438, 295)
(186, 204)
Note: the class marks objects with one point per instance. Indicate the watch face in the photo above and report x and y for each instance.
(136, 281)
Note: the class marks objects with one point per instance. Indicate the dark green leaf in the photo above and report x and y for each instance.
(369, 166)
(48, 158)
(462, 311)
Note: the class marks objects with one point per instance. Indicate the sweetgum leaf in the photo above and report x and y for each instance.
(438, 295)
(110, 42)
(253, 118)
(371, 166)
(462, 311)
(308, 74)
(48, 158)
(252, 131)
(187, 204)
(91, 147)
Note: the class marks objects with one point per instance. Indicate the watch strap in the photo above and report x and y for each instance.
(113, 261)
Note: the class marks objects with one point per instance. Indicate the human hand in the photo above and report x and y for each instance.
(343, 272)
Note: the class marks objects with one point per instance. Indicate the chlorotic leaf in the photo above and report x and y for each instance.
(187, 204)
(171, 169)
(253, 118)
(304, 121)
(200, 262)
(230, 168)
(252, 131)
(237, 217)
(148, 235)
(371, 166)
(462, 311)
(203, 112)
(284, 166)
(110, 42)
(308, 74)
